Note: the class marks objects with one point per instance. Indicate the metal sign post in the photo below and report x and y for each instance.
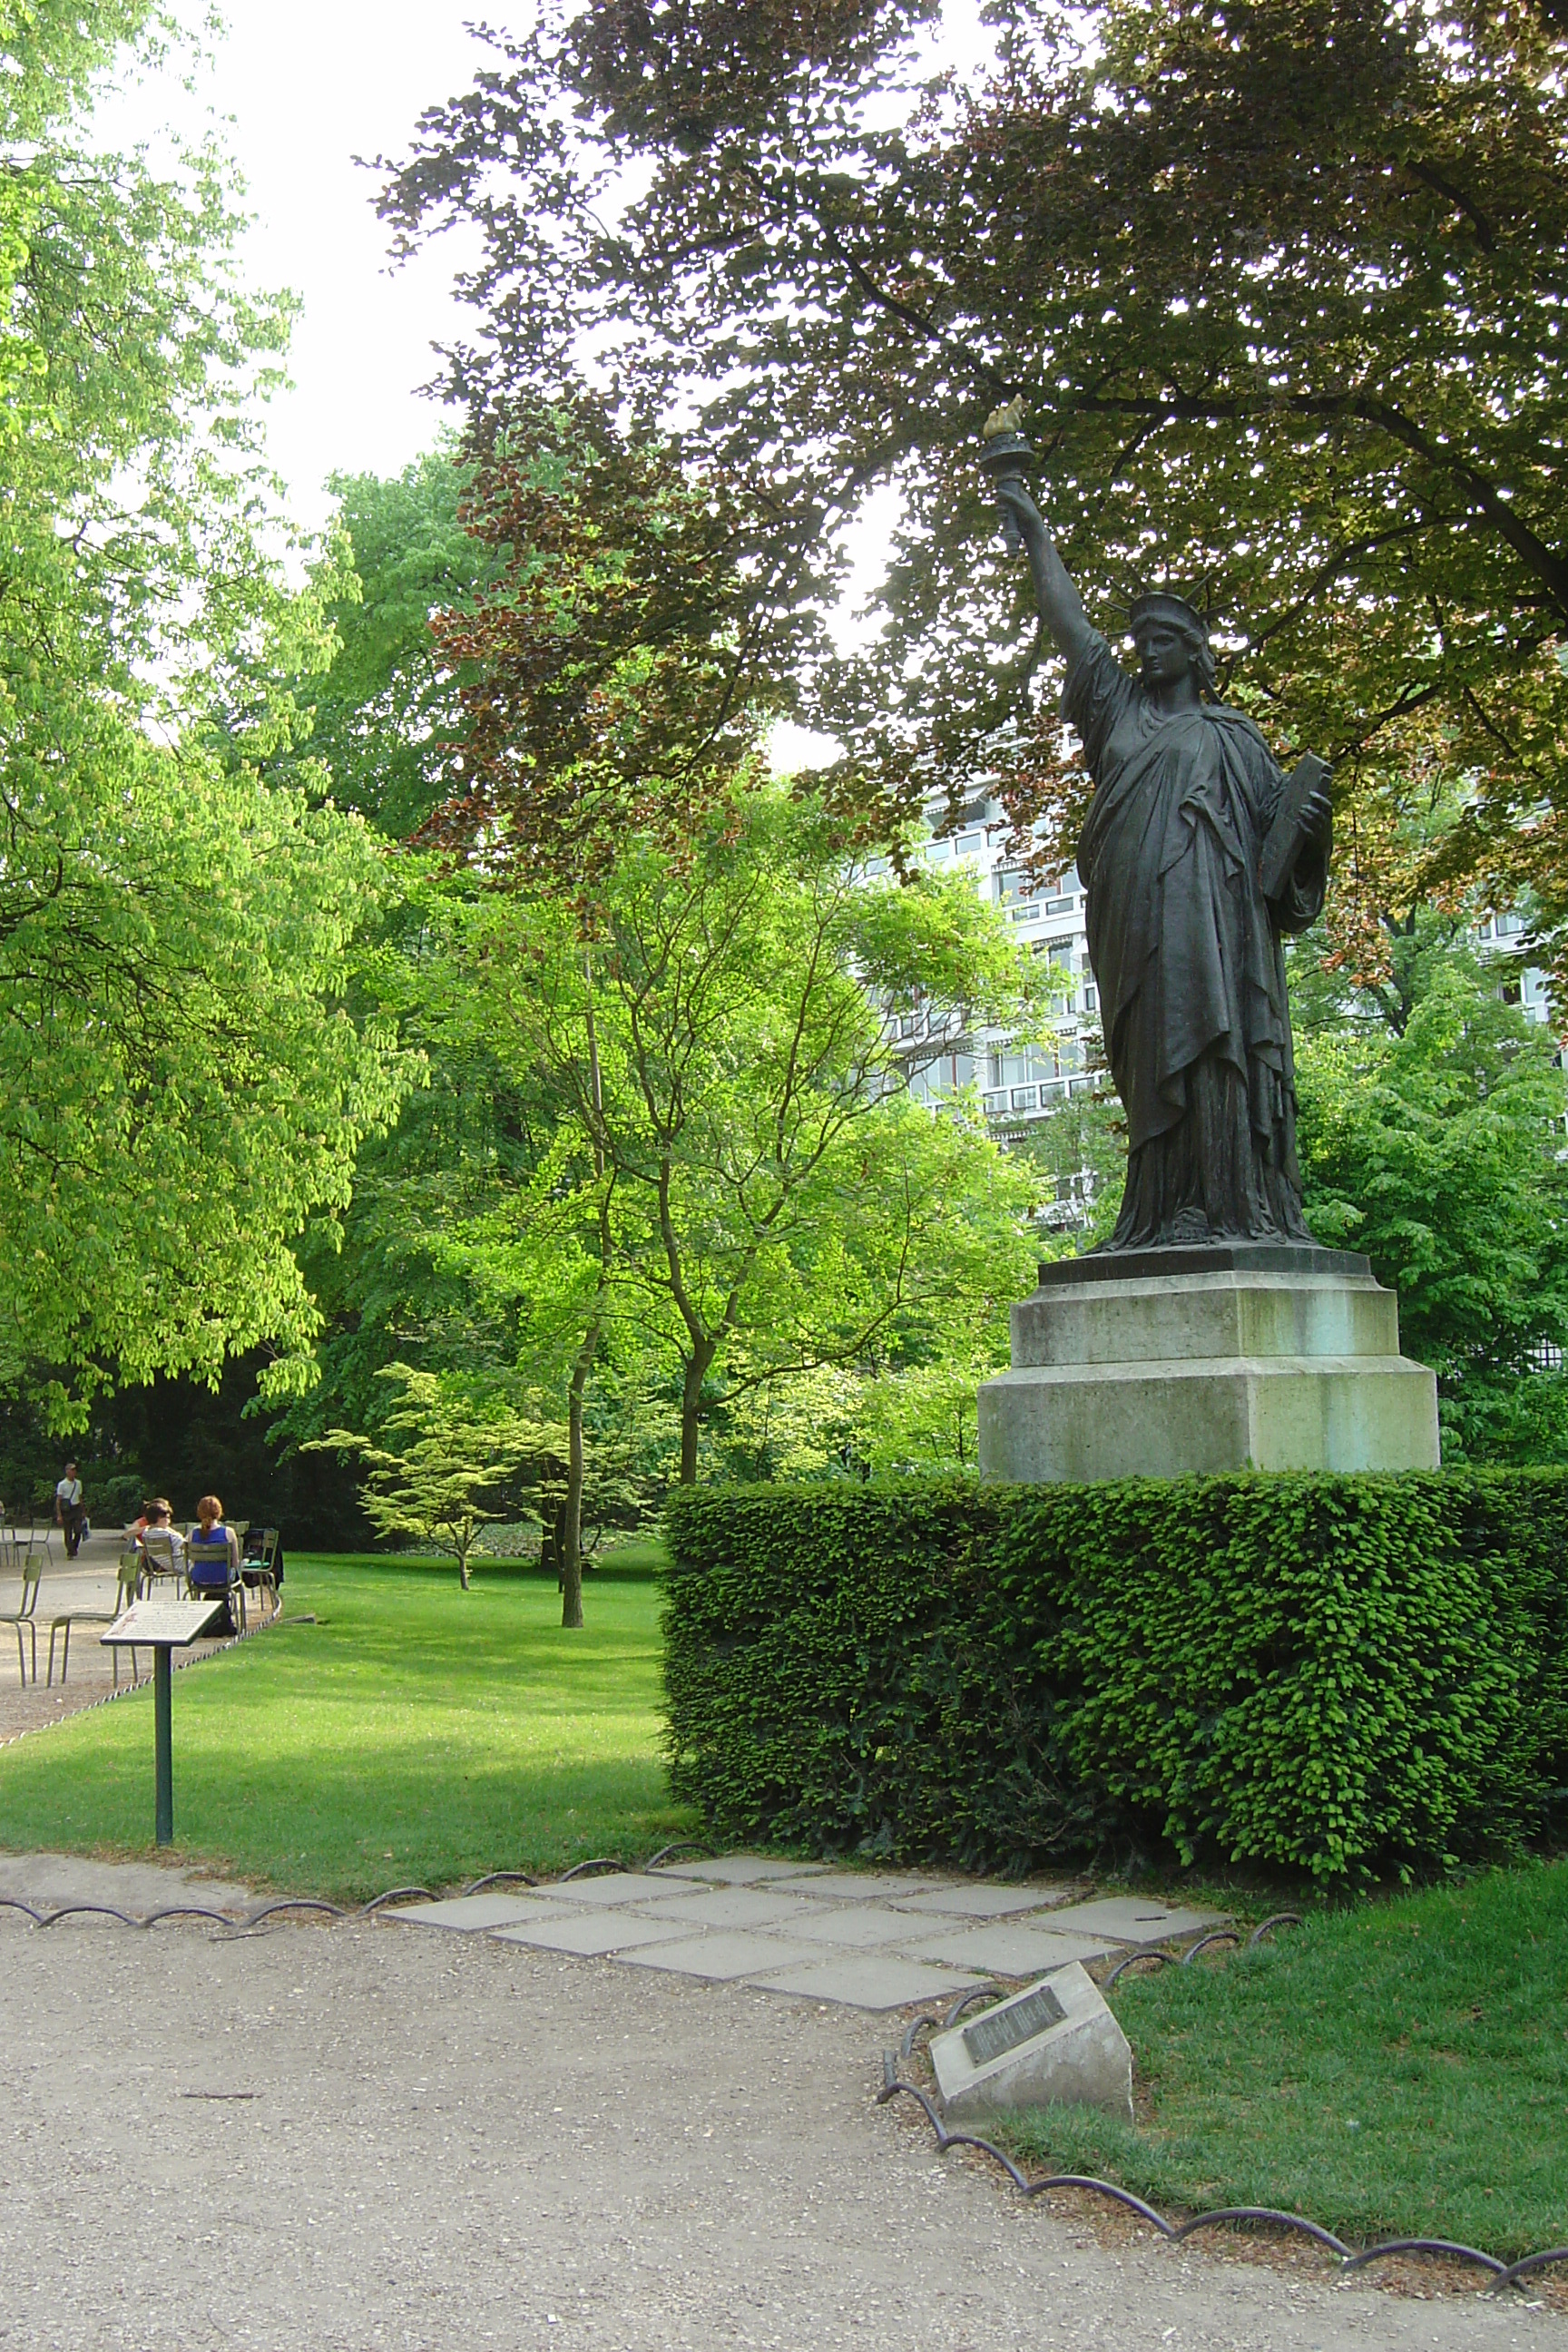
(162, 1626)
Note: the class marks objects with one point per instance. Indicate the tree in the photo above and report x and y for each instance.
(383, 719)
(1276, 280)
(455, 1452)
(179, 1092)
(608, 673)
(723, 1049)
(181, 1082)
(1437, 1152)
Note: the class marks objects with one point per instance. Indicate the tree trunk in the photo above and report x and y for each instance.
(462, 1564)
(697, 1365)
(572, 1531)
(569, 1542)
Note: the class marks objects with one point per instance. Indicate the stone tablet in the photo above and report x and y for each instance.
(1001, 2030)
(1058, 2043)
(149, 1624)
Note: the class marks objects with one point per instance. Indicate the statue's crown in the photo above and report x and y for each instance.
(1163, 604)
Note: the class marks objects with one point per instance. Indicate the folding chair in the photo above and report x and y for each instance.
(259, 1562)
(160, 1559)
(210, 1568)
(125, 1593)
(23, 1619)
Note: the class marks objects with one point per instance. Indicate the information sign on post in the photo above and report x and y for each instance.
(162, 1626)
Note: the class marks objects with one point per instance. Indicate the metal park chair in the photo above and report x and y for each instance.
(125, 1593)
(259, 1562)
(160, 1559)
(23, 1619)
(210, 1568)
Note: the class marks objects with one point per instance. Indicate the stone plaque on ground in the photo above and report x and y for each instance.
(149, 1622)
(1002, 2029)
(1057, 2042)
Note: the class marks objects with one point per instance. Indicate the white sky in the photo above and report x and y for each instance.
(300, 87)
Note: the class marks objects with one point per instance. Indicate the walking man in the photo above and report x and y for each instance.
(68, 1512)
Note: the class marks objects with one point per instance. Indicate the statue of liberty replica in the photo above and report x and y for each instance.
(1190, 889)
(1211, 1332)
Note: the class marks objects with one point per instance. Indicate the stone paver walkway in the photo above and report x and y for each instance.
(867, 1939)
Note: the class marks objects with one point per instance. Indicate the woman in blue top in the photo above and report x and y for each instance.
(211, 1573)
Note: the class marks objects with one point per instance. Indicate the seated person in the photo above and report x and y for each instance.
(158, 1518)
(213, 1575)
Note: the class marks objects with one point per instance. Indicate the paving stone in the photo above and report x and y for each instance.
(623, 1886)
(870, 1981)
(1129, 1921)
(723, 1956)
(727, 1907)
(743, 1870)
(1013, 1949)
(590, 1937)
(867, 1885)
(858, 1924)
(468, 1913)
(982, 1902)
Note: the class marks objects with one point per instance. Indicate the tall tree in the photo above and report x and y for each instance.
(722, 1046)
(1278, 281)
(181, 1082)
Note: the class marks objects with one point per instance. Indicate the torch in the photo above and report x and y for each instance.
(1007, 449)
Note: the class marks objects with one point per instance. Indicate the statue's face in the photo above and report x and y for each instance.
(1163, 653)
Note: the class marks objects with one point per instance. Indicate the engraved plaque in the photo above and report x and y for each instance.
(149, 1622)
(1005, 2029)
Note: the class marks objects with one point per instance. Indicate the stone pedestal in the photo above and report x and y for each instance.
(1244, 1355)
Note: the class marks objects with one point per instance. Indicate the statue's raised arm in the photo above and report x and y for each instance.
(1062, 606)
(1004, 456)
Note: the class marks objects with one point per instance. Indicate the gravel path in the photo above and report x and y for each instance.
(378, 2136)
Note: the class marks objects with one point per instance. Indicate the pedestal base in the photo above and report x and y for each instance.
(1160, 1363)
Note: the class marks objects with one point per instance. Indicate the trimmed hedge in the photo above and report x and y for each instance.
(1345, 1675)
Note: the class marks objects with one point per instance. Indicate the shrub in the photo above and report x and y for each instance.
(1337, 1674)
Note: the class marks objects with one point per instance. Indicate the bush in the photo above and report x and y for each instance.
(1338, 1675)
(115, 1501)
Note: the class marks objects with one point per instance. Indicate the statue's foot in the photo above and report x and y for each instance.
(1188, 1226)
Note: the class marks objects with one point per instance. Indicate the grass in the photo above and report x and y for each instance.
(417, 1734)
(1400, 2070)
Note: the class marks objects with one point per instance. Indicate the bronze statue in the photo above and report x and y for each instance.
(1196, 856)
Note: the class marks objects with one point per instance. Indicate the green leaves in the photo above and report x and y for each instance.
(1278, 281)
(1436, 1152)
(182, 1081)
(449, 1452)
(720, 1055)
(179, 1091)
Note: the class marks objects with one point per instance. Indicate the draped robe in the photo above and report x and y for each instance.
(1186, 953)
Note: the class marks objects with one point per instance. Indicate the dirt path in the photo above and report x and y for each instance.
(380, 2135)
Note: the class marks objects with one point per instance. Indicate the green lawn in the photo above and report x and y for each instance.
(1397, 2070)
(418, 1733)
